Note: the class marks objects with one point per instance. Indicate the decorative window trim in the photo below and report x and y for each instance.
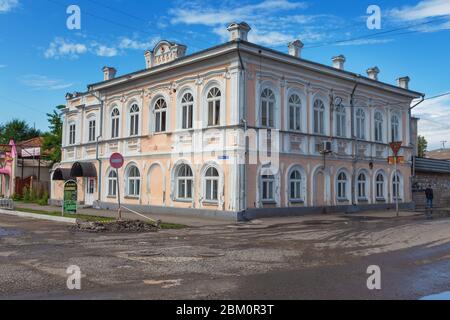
(260, 87)
(205, 103)
(113, 116)
(347, 186)
(137, 179)
(179, 114)
(302, 181)
(131, 115)
(185, 178)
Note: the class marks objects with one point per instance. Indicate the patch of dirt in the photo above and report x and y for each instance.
(123, 226)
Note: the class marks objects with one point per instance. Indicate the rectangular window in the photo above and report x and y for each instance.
(91, 137)
(268, 188)
(115, 128)
(72, 134)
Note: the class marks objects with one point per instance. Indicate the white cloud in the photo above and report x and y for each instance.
(434, 121)
(423, 10)
(104, 51)
(127, 43)
(39, 82)
(3, 66)
(59, 47)
(360, 42)
(8, 5)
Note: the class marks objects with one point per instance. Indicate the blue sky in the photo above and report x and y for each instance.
(41, 60)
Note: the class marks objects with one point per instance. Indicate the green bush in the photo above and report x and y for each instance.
(16, 197)
(26, 194)
(34, 195)
(43, 201)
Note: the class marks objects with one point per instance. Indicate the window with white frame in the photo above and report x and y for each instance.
(112, 183)
(133, 179)
(184, 182)
(72, 133)
(187, 111)
(396, 185)
(342, 186)
(115, 121)
(341, 119)
(211, 185)
(378, 127)
(134, 120)
(91, 130)
(295, 109)
(267, 188)
(360, 124)
(160, 115)
(395, 128)
(319, 117)
(362, 184)
(213, 100)
(295, 186)
(379, 186)
(267, 108)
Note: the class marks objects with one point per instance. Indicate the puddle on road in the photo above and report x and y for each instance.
(165, 284)
(439, 296)
(9, 232)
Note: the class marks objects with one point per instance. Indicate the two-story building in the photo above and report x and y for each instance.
(238, 130)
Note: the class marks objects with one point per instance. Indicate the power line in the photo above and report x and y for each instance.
(373, 35)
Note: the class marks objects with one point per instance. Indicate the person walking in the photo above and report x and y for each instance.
(429, 195)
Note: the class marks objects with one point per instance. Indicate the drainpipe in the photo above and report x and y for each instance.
(355, 158)
(410, 142)
(97, 145)
(243, 170)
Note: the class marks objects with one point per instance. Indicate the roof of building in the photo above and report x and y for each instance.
(439, 154)
(31, 143)
(431, 165)
(234, 45)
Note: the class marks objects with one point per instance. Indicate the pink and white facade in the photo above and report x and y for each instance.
(194, 129)
(8, 156)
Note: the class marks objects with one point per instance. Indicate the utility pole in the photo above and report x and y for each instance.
(443, 144)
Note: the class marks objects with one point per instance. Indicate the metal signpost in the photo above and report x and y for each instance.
(395, 146)
(116, 161)
(70, 197)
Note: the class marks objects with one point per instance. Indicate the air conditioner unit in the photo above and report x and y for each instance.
(326, 147)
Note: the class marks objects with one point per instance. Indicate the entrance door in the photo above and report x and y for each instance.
(320, 190)
(90, 191)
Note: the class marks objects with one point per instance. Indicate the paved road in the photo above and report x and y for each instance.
(319, 257)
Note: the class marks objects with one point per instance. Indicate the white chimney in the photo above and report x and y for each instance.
(295, 48)
(338, 62)
(109, 73)
(372, 73)
(238, 31)
(403, 82)
(148, 59)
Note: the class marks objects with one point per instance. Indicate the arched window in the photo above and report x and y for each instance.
(115, 120)
(133, 179)
(341, 119)
(160, 115)
(342, 186)
(268, 188)
(187, 111)
(213, 99)
(112, 183)
(395, 128)
(184, 182)
(295, 186)
(362, 194)
(379, 186)
(267, 108)
(295, 109)
(360, 124)
(396, 187)
(134, 120)
(319, 117)
(378, 127)
(211, 190)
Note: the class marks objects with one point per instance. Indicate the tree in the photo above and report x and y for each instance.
(422, 145)
(52, 140)
(17, 130)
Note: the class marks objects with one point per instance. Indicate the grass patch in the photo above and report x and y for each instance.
(58, 214)
(166, 226)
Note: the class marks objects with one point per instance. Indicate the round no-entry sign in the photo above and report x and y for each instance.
(116, 160)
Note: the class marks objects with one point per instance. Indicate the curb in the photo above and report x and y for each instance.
(38, 216)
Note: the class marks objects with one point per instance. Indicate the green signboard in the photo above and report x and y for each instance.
(70, 197)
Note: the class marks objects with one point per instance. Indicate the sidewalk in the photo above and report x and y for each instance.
(187, 221)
